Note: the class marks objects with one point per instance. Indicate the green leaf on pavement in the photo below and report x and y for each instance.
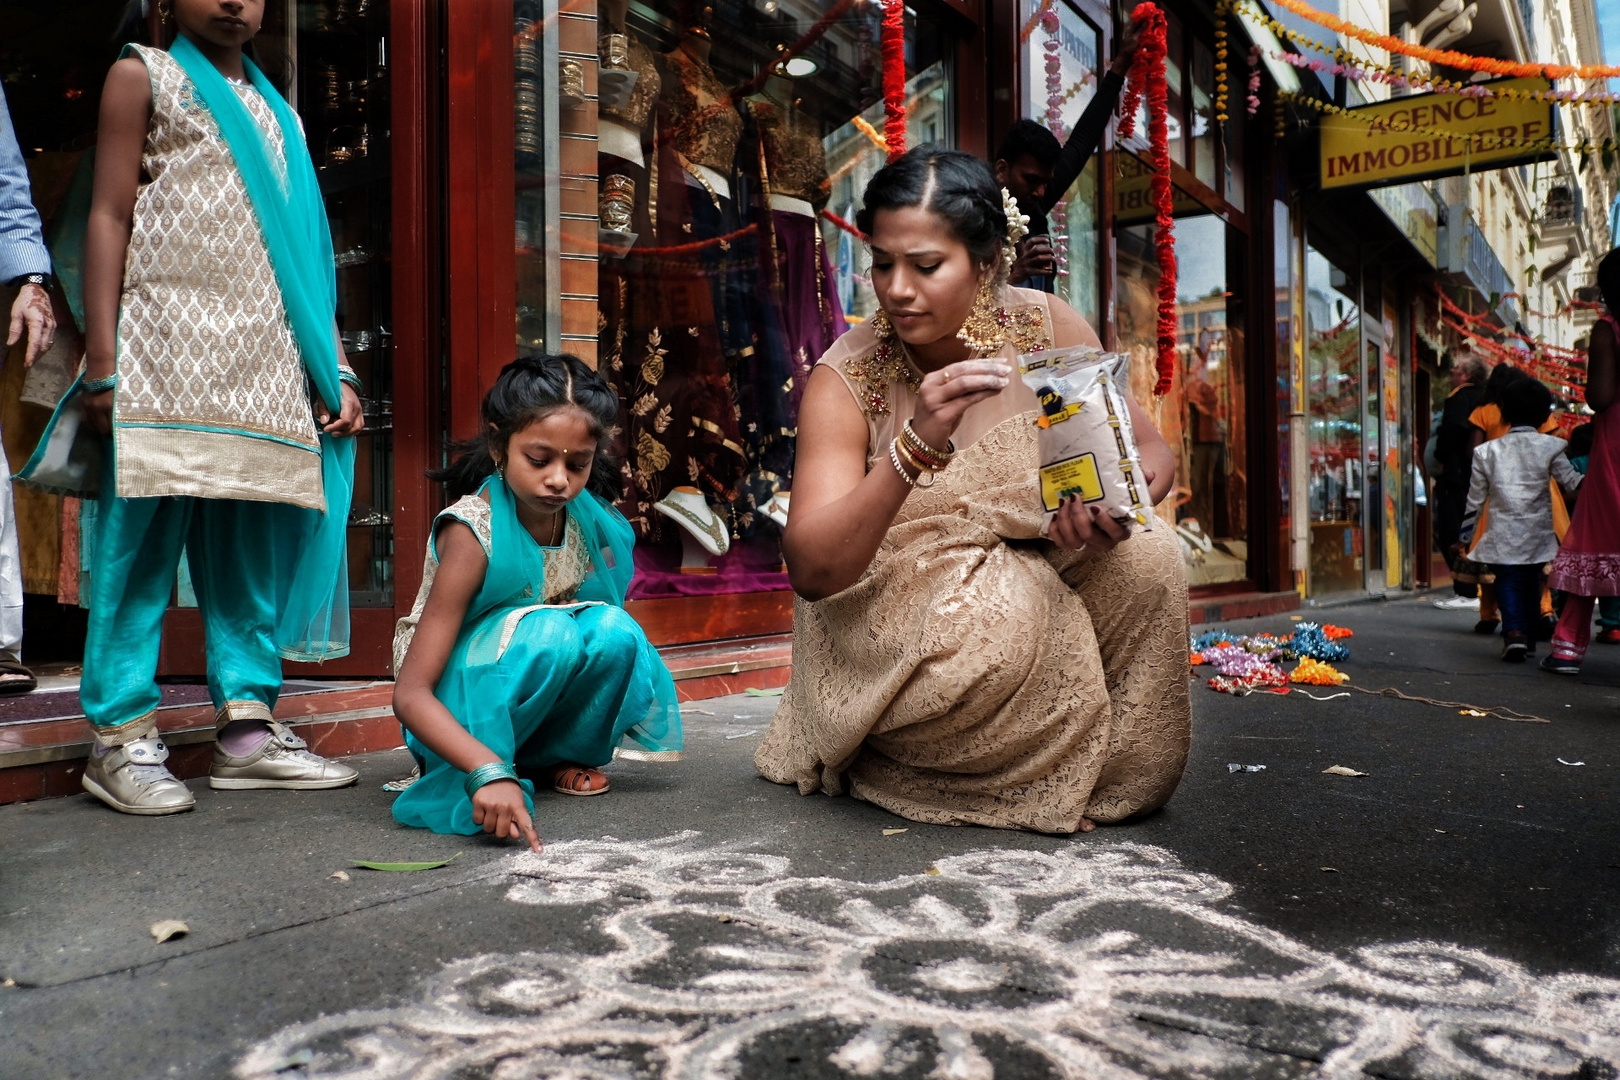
(754, 691)
(406, 867)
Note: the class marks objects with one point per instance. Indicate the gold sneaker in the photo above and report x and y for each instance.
(283, 762)
(132, 779)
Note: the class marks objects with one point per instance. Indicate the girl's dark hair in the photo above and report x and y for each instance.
(1503, 379)
(1527, 402)
(1580, 441)
(957, 186)
(530, 388)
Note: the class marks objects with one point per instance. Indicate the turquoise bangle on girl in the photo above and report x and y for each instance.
(487, 774)
(99, 386)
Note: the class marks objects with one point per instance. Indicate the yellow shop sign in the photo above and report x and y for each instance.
(1429, 135)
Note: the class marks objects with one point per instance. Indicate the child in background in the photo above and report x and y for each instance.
(1579, 453)
(1514, 472)
(518, 659)
(1588, 565)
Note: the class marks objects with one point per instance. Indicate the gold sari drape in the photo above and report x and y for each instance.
(976, 674)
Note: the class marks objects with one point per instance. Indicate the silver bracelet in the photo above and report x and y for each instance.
(894, 459)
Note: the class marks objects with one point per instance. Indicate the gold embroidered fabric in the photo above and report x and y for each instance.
(884, 381)
(795, 162)
(566, 565)
(212, 400)
(645, 94)
(705, 123)
(978, 675)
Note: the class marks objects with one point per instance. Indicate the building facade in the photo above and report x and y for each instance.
(644, 183)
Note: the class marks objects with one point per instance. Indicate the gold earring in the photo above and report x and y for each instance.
(985, 328)
(165, 10)
(882, 326)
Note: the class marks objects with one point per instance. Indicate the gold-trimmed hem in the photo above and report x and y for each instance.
(155, 462)
(621, 753)
(129, 731)
(232, 711)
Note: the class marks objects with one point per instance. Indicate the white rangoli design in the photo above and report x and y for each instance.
(1091, 961)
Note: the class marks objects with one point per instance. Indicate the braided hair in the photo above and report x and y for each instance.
(531, 388)
(956, 186)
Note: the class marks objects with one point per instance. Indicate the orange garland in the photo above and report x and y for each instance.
(1448, 57)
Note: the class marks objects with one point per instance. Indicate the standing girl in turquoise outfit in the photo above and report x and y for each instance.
(518, 656)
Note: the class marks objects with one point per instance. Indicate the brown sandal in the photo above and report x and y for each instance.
(21, 682)
(578, 780)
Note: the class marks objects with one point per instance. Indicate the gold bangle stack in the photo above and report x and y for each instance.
(927, 457)
(901, 453)
(910, 479)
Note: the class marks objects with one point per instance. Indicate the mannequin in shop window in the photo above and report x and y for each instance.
(954, 661)
(683, 390)
(1039, 172)
(786, 160)
(628, 91)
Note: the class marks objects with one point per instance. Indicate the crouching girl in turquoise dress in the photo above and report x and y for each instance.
(518, 659)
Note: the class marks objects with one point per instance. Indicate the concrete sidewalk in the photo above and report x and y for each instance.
(1453, 913)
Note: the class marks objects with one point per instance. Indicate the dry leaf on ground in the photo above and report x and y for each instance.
(893, 832)
(167, 929)
(1340, 770)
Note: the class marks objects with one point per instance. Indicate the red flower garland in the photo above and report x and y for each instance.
(894, 76)
(1147, 78)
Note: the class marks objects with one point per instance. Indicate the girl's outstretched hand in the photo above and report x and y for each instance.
(499, 807)
(352, 420)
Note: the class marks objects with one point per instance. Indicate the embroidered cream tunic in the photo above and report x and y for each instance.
(566, 565)
(212, 399)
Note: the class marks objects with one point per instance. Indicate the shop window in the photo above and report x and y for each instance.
(1334, 412)
(1204, 415)
(1201, 115)
(1075, 219)
(721, 281)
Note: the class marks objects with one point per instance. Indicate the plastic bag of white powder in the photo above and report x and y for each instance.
(1088, 447)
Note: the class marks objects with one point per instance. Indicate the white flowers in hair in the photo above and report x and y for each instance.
(1017, 226)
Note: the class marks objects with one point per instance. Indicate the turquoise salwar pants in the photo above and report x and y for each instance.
(567, 688)
(138, 543)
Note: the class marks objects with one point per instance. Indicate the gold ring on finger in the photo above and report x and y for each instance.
(945, 375)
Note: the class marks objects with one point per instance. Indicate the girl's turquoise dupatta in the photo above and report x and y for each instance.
(307, 551)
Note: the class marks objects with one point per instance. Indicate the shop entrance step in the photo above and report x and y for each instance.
(44, 739)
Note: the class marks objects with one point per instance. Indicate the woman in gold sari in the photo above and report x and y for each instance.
(953, 662)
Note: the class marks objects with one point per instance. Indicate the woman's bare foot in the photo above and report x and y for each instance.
(1087, 825)
(578, 780)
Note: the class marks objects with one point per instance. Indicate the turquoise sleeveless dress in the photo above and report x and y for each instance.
(548, 667)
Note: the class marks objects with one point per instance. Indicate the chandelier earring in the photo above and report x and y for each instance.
(881, 326)
(985, 328)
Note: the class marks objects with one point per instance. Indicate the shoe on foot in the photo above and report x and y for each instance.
(1487, 626)
(283, 762)
(1609, 635)
(1515, 648)
(133, 779)
(1545, 627)
(1561, 665)
(1458, 603)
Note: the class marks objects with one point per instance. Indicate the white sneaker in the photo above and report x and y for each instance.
(1458, 603)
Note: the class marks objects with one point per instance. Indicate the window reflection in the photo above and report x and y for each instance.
(1203, 416)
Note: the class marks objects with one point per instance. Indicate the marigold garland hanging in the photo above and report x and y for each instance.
(1447, 57)
(1147, 79)
(894, 76)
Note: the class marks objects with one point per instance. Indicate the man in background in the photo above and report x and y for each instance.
(1454, 453)
(1038, 171)
(25, 265)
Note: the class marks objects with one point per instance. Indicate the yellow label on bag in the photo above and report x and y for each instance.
(1074, 476)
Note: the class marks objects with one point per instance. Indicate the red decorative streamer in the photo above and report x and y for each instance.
(846, 226)
(894, 76)
(1147, 79)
